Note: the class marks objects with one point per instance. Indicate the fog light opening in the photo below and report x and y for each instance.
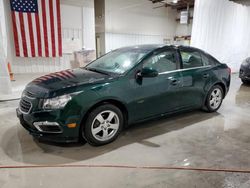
(48, 127)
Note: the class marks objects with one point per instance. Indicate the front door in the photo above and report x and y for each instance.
(158, 95)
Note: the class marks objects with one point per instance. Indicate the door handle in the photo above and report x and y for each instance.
(205, 75)
(174, 81)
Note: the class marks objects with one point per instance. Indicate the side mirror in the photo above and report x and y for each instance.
(147, 72)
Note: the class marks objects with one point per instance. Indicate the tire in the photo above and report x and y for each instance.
(103, 125)
(214, 98)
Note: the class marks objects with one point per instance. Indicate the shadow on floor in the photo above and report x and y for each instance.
(19, 145)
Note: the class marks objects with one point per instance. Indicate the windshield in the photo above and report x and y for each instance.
(118, 61)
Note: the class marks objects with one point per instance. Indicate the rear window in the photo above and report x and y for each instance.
(191, 59)
(212, 60)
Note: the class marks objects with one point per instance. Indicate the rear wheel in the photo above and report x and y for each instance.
(214, 98)
(103, 125)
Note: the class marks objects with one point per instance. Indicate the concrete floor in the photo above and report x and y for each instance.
(195, 139)
(18, 85)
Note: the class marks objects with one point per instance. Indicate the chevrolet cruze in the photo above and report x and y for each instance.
(125, 86)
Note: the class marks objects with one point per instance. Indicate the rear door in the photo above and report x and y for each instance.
(196, 75)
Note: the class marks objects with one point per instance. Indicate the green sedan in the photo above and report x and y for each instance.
(128, 85)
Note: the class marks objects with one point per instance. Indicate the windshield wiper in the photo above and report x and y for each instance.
(96, 70)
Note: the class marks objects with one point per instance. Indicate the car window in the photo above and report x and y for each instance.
(162, 62)
(119, 61)
(206, 60)
(212, 60)
(191, 59)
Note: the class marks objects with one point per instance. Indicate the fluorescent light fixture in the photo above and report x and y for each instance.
(175, 1)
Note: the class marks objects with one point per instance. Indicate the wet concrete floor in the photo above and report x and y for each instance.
(194, 139)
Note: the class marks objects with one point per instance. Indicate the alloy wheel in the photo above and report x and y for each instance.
(215, 98)
(105, 125)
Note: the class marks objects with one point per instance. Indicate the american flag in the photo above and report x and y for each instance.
(37, 28)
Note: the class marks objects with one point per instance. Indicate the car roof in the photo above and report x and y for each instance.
(145, 46)
(152, 47)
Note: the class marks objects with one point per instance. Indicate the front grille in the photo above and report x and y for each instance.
(29, 94)
(25, 106)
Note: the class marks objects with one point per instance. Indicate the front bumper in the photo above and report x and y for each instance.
(67, 135)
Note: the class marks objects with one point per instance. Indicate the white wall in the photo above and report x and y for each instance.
(222, 29)
(117, 40)
(184, 29)
(77, 22)
(5, 86)
(72, 31)
(89, 27)
(136, 22)
(71, 16)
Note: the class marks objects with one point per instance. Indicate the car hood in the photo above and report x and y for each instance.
(66, 81)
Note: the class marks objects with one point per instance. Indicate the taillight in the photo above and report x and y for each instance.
(229, 70)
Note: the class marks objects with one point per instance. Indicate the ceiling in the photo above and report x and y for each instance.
(175, 4)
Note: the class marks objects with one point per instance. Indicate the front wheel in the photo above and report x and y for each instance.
(103, 125)
(214, 98)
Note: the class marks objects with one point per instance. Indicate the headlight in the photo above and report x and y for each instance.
(56, 103)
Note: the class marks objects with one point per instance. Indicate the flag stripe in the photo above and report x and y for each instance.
(33, 18)
(19, 34)
(59, 27)
(32, 43)
(55, 26)
(45, 32)
(25, 52)
(27, 34)
(15, 34)
(38, 35)
(41, 28)
(52, 28)
(48, 26)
